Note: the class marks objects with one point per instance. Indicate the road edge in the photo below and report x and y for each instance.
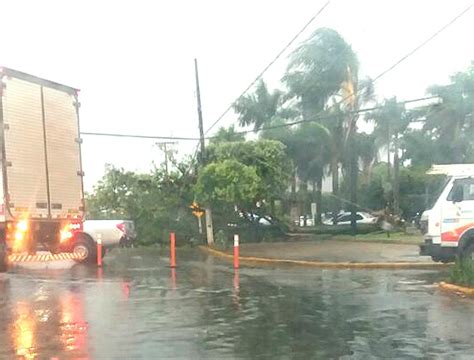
(456, 288)
(325, 264)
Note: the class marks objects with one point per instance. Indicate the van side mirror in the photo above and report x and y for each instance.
(457, 194)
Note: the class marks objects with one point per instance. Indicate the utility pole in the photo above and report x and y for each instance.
(199, 109)
(354, 172)
(202, 160)
(164, 147)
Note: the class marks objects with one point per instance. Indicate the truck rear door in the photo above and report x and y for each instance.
(24, 149)
(64, 167)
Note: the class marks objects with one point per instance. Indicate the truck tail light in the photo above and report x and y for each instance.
(18, 233)
(22, 226)
(121, 227)
(75, 226)
(68, 230)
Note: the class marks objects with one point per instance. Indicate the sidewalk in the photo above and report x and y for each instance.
(334, 251)
(330, 254)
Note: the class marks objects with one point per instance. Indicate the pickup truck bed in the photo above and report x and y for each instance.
(112, 232)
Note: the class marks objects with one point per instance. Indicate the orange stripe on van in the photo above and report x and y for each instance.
(454, 235)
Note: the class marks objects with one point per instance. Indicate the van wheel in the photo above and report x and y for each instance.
(468, 252)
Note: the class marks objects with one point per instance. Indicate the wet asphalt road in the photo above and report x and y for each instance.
(136, 308)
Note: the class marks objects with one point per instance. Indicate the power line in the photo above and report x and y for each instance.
(403, 58)
(269, 65)
(329, 116)
(378, 77)
(319, 118)
(140, 136)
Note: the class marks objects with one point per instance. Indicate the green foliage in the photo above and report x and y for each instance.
(420, 148)
(157, 202)
(448, 133)
(267, 157)
(226, 135)
(111, 197)
(318, 69)
(418, 190)
(462, 273)
(251, 175)
(390, 120)
(259, 108)
(245, 176)
(228, 182)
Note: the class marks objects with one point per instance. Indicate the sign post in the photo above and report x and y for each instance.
(198, 212)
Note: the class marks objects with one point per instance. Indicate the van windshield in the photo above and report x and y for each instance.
(435, 190)
(465, 187)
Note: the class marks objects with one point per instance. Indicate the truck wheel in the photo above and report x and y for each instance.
(3, 261)
(54, 249)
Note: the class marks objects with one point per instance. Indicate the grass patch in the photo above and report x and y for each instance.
(462, 273)
(376, 237)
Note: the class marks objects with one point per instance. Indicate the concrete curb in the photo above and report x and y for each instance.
(457, 289)
(324, 264)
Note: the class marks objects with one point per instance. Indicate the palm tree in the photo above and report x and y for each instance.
(452, 121)
(323, 77)
(260, 108)
(227, 135)
(391, 121)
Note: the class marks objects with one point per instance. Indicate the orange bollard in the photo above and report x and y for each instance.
(99, 251)
(173, 278)
(172, 250)
(236, 251)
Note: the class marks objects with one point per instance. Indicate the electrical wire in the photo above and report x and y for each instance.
(259, 76)
(378, 77)
(243, 132)
(140, 136)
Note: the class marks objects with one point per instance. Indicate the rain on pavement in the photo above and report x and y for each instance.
(136, 307)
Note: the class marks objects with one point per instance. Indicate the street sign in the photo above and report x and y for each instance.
(197, 211)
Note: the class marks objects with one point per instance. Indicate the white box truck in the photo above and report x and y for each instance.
(41, 177)
(449, 225)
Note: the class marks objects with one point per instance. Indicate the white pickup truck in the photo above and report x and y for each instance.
(113, 233)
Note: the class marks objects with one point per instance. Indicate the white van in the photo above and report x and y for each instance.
(449, 226)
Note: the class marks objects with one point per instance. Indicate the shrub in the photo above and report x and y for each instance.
(462, 273)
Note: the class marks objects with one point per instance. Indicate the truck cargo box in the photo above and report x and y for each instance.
(40, 149)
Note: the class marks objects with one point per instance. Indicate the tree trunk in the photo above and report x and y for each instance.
(318, 199)
(396, 178)
(293, 182)
(354, 172)
(304, 198)
(335, 187)
(388, 151)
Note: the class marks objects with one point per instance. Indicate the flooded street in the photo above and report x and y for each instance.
(136, 307)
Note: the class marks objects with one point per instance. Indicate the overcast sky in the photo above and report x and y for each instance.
(133, 60)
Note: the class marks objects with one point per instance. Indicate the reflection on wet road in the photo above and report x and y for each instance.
(136, 307)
